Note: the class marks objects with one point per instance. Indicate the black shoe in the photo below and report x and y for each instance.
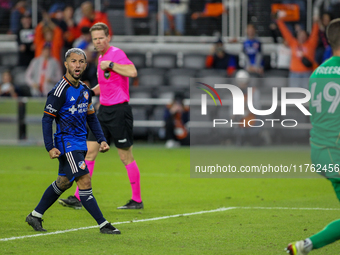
(132, 204)
(109, 229)
(35, 222)
(71, 201)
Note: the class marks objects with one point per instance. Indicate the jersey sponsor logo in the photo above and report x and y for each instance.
(107, 74)
(86, 95)
(82, 107)
(72, 99)
(122, 140)
(50, 108)
(72, 109)
(82, 165)
(68, 145)
(328, 70)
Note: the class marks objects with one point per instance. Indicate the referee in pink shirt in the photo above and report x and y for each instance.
(114, 115)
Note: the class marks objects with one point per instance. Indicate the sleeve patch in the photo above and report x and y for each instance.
(90, 109)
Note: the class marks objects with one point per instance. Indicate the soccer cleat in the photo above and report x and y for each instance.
(35, 222)
(71, 201)
(109, 229)
(296, 248)
(132, 204)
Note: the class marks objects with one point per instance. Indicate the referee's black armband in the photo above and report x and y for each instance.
(92, 93)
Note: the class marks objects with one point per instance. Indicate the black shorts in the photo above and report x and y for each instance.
(72, 164)
(117, 124)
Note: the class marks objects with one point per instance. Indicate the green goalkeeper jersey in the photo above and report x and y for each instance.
(324, 85)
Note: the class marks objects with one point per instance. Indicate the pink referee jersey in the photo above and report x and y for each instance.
(114, 88)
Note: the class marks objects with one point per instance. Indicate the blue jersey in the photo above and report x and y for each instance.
(70, 107)
(252, 48)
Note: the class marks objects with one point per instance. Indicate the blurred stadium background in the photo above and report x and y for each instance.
(165, 63)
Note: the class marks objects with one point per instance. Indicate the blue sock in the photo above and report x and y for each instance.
(52, 193)
(90, 204)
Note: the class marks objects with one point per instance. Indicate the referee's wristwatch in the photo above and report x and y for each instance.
(111, 64)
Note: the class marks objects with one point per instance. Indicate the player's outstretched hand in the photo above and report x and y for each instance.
(54, 153)
(104, 147)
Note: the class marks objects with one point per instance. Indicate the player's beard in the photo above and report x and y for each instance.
(74, 76)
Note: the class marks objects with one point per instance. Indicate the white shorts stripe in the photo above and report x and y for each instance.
(70, 160)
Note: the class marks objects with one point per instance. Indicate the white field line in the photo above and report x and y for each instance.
(118, 223)
(168, 217)
(291, 208)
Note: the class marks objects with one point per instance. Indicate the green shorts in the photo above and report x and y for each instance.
(327, 157)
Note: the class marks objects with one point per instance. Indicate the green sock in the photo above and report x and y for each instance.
(326, 236)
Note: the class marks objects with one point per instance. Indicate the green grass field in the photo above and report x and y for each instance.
(262, 222)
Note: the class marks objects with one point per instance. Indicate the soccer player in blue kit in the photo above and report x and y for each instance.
(69, 105)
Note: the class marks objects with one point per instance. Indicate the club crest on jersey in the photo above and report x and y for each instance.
(86, 95)
(107, 74)
(82, 165)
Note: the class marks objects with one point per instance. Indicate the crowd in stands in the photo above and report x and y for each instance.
(41, 49)
(62, 27)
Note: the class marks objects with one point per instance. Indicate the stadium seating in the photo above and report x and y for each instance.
(139, 114)
(211, 80)
(194, 61)
(166, 95)
(162, 73)
(211, 72)
(181, 71)
(276, 73)
(138, 59)
(117, 21)
(275, 78)
(18, 74)
(151, 80)
(144, 71)
(9, 59)
(180, 81)
(164, 60)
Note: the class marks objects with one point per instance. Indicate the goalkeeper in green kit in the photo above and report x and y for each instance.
(324, 85)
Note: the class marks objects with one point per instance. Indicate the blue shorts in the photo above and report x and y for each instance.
(72, 164)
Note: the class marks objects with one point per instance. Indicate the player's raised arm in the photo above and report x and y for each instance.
(125, 70)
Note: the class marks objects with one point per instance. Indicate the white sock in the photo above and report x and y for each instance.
(36, 214)
(307, 245)
(103, 224)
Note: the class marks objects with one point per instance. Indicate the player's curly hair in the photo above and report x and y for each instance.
(75, 50)
(332, 33)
